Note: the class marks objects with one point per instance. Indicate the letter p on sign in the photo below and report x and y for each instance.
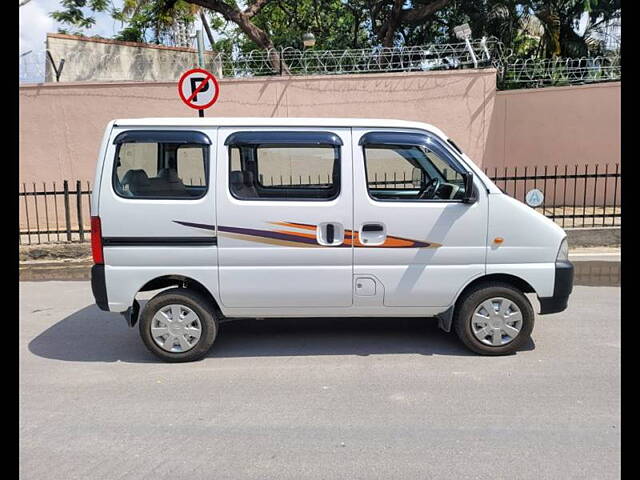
(198, 89)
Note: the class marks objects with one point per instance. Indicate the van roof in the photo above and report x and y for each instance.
(275, 122)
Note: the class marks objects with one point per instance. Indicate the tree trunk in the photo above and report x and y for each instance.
(243, 20)
(551, 23)
(391, 25)
(398, 17)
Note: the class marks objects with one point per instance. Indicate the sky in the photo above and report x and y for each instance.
(35, 23)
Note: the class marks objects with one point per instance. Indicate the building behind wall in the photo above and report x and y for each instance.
(103, 60)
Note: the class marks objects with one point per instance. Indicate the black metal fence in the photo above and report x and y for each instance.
(574, 197)
(56, 214)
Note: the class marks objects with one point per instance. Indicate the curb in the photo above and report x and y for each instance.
(593, 237)
(66, 270)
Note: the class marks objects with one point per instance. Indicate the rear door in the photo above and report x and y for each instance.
(157, 201)
(414, 233)
(284, 205)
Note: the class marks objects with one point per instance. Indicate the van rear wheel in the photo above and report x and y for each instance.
(494, 319)
(178, 325)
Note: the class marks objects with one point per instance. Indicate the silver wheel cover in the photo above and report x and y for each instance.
(496, 321)
(176, 328)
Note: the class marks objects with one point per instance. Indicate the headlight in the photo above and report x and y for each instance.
(563, 253)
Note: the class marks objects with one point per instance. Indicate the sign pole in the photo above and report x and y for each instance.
(200, 41)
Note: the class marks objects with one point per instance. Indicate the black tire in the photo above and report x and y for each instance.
(467, 305)
(200, 306)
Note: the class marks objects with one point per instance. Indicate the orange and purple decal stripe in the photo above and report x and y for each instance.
(273, 237)
(306, 238)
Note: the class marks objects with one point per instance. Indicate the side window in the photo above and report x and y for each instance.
(448, 173)
(137, 156)
(284, 172)
(191, 162)
(411, 172)
(166, 168)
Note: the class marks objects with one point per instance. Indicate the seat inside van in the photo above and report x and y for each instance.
(165, 184)
(242, 184)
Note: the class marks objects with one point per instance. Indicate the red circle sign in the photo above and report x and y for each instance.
(198, 88)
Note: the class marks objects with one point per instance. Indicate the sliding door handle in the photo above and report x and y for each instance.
(330, 233)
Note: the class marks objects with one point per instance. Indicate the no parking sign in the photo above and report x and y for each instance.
(198, 89)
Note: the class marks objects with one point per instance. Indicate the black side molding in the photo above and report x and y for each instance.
(158, 241)
(99, 287)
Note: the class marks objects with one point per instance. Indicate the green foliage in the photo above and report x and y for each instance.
(542, 28)
(152, 20)
(75, 13)
(336, 25)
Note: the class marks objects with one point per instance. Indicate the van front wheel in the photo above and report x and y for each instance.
(494, 319)
(178, 325)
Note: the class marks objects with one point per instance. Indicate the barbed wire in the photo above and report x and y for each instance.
(368, 60)
(530, 73)
(161, 65)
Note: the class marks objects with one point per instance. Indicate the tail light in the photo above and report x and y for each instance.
(96, 241)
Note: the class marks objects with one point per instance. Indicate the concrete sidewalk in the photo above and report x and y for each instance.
(593, 254)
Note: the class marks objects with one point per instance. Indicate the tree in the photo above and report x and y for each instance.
(528, 27)
(163, 20)
(75, 13)
(560, 19)
(269, 24)
(388, 16)
(243, 19)
(143, 20)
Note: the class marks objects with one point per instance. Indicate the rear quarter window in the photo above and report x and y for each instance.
(163, 170)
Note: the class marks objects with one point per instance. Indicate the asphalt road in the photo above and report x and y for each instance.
(293, 399)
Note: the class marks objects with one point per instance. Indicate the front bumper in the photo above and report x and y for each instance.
(562, 287)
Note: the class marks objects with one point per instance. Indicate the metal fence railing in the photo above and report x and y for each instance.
(574, 197)
(54, 214)
(512, 71)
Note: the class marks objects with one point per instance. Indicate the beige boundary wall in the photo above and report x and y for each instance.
(579, 125)
(61, 125)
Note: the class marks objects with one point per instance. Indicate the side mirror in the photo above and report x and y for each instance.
(469, 192)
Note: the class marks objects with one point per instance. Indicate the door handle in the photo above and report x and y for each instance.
(372, 234)
(330, 232)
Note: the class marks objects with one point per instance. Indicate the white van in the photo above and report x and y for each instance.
(307, 217)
